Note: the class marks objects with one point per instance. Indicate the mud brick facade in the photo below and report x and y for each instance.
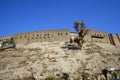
(42, 36)
(62, 35)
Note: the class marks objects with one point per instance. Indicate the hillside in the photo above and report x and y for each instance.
(51, 58)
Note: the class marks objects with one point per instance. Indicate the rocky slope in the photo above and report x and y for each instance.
(51, 58)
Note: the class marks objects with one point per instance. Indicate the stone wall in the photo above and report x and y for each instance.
(98, 36)
(114, 39)
(21, 38)
(62, 35)
(42, 36)
(103, 37)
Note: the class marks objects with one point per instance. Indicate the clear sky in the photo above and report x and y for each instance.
(18, 16)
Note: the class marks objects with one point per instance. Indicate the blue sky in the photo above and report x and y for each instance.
(18, 16)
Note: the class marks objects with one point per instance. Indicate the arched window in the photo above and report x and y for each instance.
(37, 34)
(66, 33)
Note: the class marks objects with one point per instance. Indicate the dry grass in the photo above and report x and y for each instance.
(31, 49)
(22, 63)
(89, 51)
(26, 78)
(3, 65)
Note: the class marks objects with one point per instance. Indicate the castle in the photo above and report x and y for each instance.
(62, 35)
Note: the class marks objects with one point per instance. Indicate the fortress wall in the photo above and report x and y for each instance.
(33, 37)
(42, 36)
(48, 36)
(115, 39)
(98, 36)
(88, 36)
(20, 45)
(4, 38)
(61, 35)
(111, 39)
(21, 38)
(118, 37)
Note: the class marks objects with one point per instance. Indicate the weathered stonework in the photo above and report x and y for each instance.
(98, 36)
(114, 39)
(62, 35)
(42, 36)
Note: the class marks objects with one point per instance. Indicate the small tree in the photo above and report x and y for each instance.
(82, 31)
(77, 26)
(11, 40)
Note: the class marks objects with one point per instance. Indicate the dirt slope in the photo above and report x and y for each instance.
(50, 58)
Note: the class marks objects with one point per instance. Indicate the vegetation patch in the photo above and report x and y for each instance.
(22, 63)
(50, 77)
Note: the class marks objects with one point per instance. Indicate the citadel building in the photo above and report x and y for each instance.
(62, 35)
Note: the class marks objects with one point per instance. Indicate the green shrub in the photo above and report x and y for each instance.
(11, 40)
(50, 77)
(3, 43)
(65, 76)
(85, 75)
